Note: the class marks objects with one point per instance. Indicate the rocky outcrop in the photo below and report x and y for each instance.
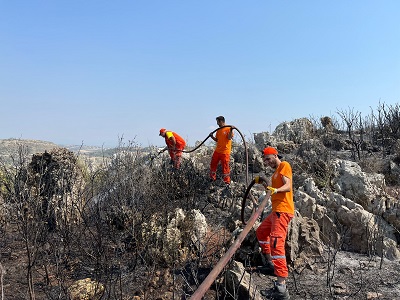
(303, 239)
(263, 139)
(354, 184)
(366, 189)
(56, 180)
(182, 231)
(345, 223)
(295, 131)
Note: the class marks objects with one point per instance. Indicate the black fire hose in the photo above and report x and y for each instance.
(198, 146)
(246, 194)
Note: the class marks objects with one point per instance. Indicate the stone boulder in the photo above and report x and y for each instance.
(239, 283)
(308, 207)
(183, 230)
(254, 156)
(303, 239)
(295, 131)
(351, 182)
(263, 139)
(56, 178)
(367, 233)
(86, 289)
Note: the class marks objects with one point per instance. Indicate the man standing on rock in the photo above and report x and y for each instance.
(222, 152)
(175, 145)
(271, 234)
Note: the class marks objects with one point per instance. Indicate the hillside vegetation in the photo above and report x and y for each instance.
(129, 227)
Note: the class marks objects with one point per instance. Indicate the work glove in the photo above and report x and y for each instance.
(258, 179)
(273, 190)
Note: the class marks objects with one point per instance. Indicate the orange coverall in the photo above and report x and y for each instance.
(175, 152)
(222, 154)
(271, 234)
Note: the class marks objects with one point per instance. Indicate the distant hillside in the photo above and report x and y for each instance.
(9, 148)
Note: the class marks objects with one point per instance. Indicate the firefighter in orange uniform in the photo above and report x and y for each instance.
(271, 233)
(175, 145)
(222, 152)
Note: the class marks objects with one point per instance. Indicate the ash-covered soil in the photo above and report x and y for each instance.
(351, 276)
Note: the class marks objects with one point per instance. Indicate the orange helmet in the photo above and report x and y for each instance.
(162, 130)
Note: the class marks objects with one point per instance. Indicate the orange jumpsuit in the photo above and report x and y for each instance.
(222, 154)
(271, 234)
(175, 152)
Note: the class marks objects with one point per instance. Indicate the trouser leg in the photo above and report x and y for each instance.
(213, 166)
(263, 235)
(279, 227)
(178, 159)
(225, 168)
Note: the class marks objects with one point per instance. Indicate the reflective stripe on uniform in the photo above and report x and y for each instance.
(278, 256)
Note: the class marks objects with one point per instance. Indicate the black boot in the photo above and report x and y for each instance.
(278, 292)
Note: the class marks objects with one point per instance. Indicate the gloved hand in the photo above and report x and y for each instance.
(258, 179)
(210, 135)
(273, 190)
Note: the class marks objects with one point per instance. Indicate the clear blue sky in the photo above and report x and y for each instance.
(89, 72)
